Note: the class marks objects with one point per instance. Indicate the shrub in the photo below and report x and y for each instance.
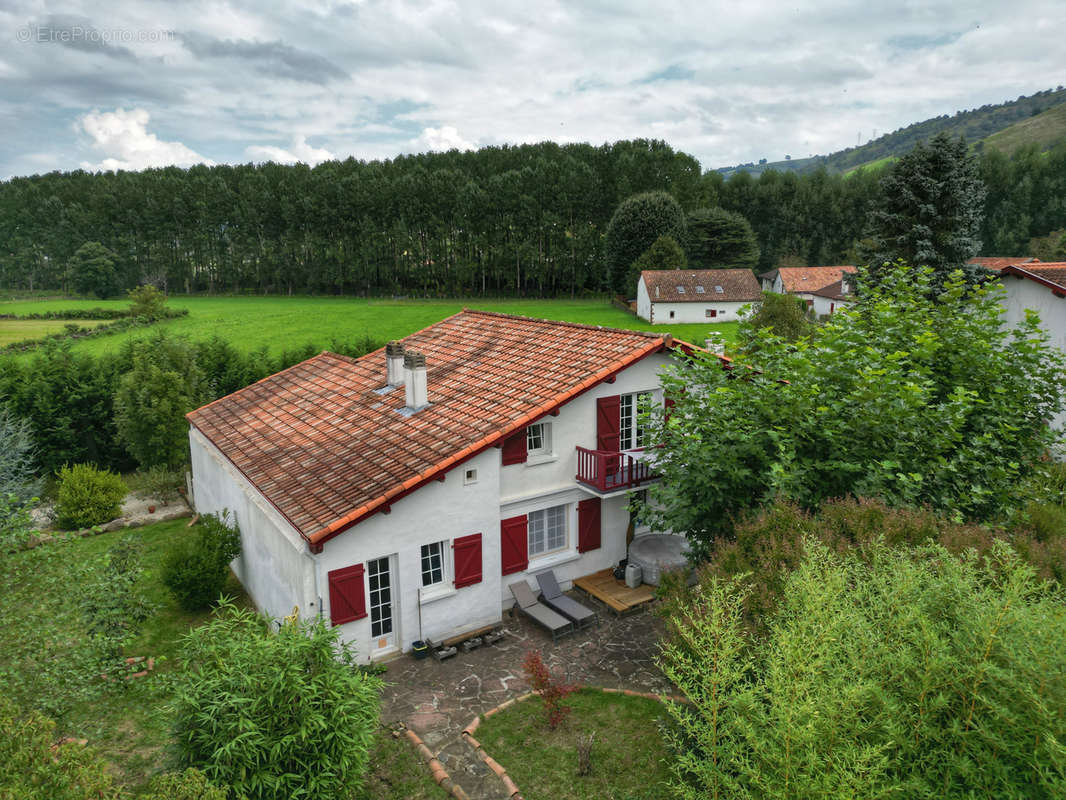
(551, 691)
(147, 302)
(113, 606)
(188, 785)
(35, 766)
(195, 570)
(912, 673)
(274, 715)
(160, 482)
(88, 496)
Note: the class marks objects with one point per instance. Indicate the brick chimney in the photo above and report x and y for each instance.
(394, 363)
(414, 373)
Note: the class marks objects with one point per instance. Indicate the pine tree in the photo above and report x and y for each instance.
(719, 238)
(929, 212)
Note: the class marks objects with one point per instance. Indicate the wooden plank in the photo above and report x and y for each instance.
(613, 593)
(468, 635)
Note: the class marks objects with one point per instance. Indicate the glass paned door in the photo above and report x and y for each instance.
(379, 576)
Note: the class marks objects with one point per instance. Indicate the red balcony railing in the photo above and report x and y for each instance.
(607, 471)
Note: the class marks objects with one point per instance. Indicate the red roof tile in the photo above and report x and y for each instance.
(327, 450)
(701, 285)
(1048, 273)
(996, 263)
(807, 279)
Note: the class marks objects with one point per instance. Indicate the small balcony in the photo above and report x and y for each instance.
(605, 471)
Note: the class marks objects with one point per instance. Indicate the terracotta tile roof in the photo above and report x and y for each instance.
(327, 450)
(835, 291)
(701, 285)
(1048, 273)
(996, 263)
(807, 279)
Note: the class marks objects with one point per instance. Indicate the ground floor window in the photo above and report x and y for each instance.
(433, 564)
(711, 313)
(547, 530)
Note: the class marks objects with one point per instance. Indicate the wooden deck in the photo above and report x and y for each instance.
(614, 593)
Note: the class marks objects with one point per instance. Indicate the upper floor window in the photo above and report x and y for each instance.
(546, 530)
(539, 439)
(630, 430)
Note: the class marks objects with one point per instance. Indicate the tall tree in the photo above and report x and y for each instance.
(665, 253)
(929, 211)
(91, 270)
(715, 238)
(634, 227)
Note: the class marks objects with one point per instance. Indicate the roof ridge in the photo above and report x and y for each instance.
(564, 323)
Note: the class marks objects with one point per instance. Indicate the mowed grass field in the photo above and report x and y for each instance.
(18, 330)
(281, 322)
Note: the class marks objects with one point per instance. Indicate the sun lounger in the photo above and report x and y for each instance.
(556, 623)
(552, 596)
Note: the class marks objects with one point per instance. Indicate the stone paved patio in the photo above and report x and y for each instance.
(437, 700)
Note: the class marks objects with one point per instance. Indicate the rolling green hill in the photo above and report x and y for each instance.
(1039, 118)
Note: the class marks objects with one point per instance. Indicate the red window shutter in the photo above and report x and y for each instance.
(514, 448)
(514, 545)
(608, 423)
(588, 525)
(467, 553)
(347, 598)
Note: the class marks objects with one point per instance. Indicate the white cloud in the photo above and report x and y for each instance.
(299, 151)
(445, 137)
(124, 138)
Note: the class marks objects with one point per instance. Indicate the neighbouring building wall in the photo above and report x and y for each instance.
(436, 512)
(274, 567)
(643, 301)
(1023, 293)
(826, 305)
(696, 311)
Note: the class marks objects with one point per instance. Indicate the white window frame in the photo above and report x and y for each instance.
(444, 549)
(539, 432)
(630, 428)
(545, 525)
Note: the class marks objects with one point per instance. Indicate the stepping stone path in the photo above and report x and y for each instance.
(436, 700)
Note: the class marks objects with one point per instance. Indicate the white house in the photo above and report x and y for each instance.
(1040, 286)
(400, 493)
(832, 298)
(805, 282)
(685, 295)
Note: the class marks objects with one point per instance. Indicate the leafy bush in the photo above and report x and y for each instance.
(195, 570)
(188, 785)
(274, 715)
(913, 673)
(785, 315)
(160, 482)
(35, 766)
(147, 302)
(113, 606)
(88, 496)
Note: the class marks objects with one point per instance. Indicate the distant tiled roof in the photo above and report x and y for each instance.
(1047, 273)
(834, 291)
(996, 263)
(808, 279)
(327, 450)
(701, 285)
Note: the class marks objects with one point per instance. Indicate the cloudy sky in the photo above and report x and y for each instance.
(126, 85)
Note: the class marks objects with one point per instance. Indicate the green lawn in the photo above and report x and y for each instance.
(42, 633)
(280, 322)
(17, 330)
(629, 760)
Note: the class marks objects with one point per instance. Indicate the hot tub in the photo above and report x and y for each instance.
(658, 552)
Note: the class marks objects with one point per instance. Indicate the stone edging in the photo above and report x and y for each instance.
(497, 768)
(440, 774)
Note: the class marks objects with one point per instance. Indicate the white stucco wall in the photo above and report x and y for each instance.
(1023, 293)
(643, 301)
(825, 305)
(696, 311)
(439, 511)
(275, 566)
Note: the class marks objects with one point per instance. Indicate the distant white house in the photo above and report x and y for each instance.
(703, 295)
(1040, 286)
(833, 297)
(807, 283)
